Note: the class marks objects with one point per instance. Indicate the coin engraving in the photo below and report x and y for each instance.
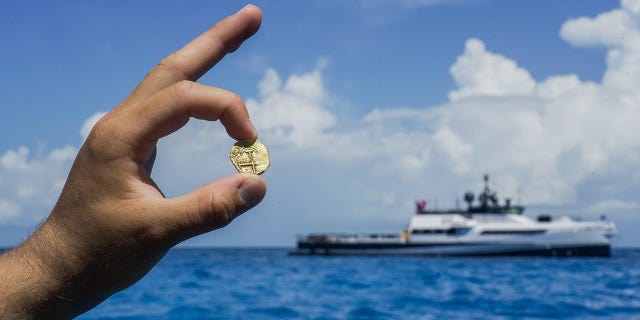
(250, 157)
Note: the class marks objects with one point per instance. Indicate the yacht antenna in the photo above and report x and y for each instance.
(468, 198)
(486, 193)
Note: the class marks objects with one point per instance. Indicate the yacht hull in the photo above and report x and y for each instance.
(460, 250)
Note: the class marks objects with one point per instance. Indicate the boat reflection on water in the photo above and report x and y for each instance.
(486, 229)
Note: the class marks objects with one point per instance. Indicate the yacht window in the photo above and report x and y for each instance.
(528, 232)
(428, 231)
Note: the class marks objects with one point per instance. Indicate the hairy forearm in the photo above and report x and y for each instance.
(33, 278)
(25, 283)
(57, 274)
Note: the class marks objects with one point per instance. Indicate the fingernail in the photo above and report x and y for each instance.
(254, 130)
(252, 190)
(247, 6)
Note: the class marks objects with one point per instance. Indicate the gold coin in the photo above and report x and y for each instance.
(250, 157)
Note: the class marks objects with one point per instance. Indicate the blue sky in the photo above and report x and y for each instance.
(64, 61)
(343, 65)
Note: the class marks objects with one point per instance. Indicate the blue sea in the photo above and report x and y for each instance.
(269, 284)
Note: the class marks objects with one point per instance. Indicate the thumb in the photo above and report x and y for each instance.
(214, 205)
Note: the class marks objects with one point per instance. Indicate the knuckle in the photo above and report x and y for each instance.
(100, 137)
(232, 100)
(168, 68)
(221, 211)
(167, 63)
(183, 89)
(101, 128)
(235, 100)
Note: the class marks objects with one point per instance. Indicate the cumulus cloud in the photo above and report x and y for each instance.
(478, 72)
(606, 206)
(291, 112)
(35, 179)
(33, 183)
(618, 32)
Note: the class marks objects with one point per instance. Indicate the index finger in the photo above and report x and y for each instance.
(202, 53)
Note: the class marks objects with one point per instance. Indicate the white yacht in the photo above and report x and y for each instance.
(486, 229)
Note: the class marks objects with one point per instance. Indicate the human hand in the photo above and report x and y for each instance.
(112, 224)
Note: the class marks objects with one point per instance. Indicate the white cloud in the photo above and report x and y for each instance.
(9, 210)
(609, 29)
(292, 113)
(618, 32)
(478, 72)
(607, 206)
(33, 183)
(631, 6)
(624, 213)
(35, 179)
(458, 151)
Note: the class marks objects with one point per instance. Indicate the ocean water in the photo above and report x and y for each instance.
(268, 284)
